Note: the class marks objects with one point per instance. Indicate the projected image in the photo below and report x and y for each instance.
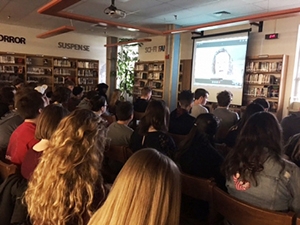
(219, 64)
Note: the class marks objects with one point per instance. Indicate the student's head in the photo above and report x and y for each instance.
(18, 83)
(222, 63)
(98, 104)
(48, 121)
(91, 94)
(207, 123)
(101, 88)
(29, 104)
(7, 95)
(224, 98)
(69, 84)
(251, 109)
(115, 96)
(263, 102)
(155, 116)
(62, 187)
(147, 191)
(201, 96)
(124, 111)
(61, 95)
(258, 140)
(77, 92)
(186, 99)
(146, 93)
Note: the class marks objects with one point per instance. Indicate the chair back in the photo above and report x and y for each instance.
(7, 169)
(118, 153)
(177, 138)
(240, 213)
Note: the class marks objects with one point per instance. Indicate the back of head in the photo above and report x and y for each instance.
(29, 103)
(7, 95)
(97, 102)
(77, 90)
(61, 189)
(263, 102)
(18, 82)
(250, 110)
(200, 92)
(124, 111)
(292, 149)
(146, 192)
(101, 88)
(115, 96)
(91, 94)
(48, 121)
(224, 98)
(155, 115)
(146, 91)
(259, 139)
(207, 123)
(61, 95)
(185, 98)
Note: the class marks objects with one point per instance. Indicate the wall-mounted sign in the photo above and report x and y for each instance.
(12, 39)
(74, 46)
(159, 48)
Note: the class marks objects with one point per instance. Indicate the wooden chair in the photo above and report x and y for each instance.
(177, 138)
(200, 189)
(6, 170)
(118, 153)
(240, 213)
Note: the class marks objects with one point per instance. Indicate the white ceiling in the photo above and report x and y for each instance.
(147, 13)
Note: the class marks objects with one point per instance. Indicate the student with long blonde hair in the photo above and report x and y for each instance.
(147, 191)
(66, 186)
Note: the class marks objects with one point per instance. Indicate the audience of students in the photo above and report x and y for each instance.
(227, 117)
(181, 122)
(46, 124)
(201, 97)
(141, 103)
(152, 130)
(146, 192)
(255, 170)
(29, 106)
(66, 187)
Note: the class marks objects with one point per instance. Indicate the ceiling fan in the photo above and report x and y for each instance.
(114, 12)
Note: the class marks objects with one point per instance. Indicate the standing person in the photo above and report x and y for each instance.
(146, 192)
(227, 117)
(142, 102)
(152, 130)
(66, 187)
(102, 89)
(181, 122)
(75, 99)
(114, 100)
(255, 170)
(201, 96)
(29, 106)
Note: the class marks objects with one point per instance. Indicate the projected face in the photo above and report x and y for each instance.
(222, 64)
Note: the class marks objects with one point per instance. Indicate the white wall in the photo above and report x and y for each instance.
(49, 46)
(286, 44)
(145, 54)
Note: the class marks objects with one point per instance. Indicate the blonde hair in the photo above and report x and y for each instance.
(115, 96)
(147, 191)
(61, 189)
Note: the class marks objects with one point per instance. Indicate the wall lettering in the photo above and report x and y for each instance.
(12, 39)
(74, 46)
(160, 48)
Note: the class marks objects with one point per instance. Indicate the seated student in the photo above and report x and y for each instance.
(75, 99)
(47, 123)
(29, 106)
(102, 89)
(227, 118)
(85, 103)
(141, 103)
(263, 102)
(255, 170)
(181, 122)
(66, 187)
(6, 100)
(290, 125)
(151, 132)
(235, 130)
(146, 192)
(119, 132)
(69, 84)
(201, 96)
(61, 96)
